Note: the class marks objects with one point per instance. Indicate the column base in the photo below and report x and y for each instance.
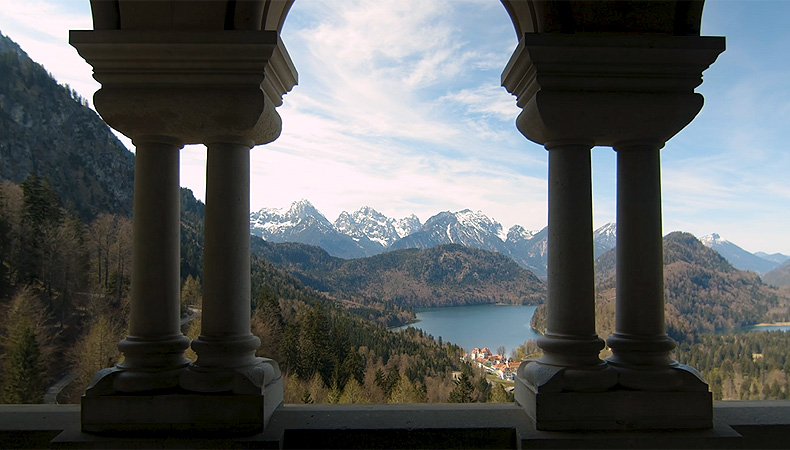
(245, 404)
(252, 378)
(229, 414)
(674, 377)
(552, 378)
(617, 409)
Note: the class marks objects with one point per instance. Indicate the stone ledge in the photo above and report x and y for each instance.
(177, 413)
(736, 425)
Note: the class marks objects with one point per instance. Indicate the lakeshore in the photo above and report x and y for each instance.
(470, 326)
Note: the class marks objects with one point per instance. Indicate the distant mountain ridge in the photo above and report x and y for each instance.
(366, 232)
(443, 275)
(49, 130)
(741, 258)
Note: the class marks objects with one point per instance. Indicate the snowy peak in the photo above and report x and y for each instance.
(517, 233)
(276, 224)
(466, 227)
(407, 226)
(712, 240)
(303, 209)
(368, 223)
(604, 239)
(608, 230)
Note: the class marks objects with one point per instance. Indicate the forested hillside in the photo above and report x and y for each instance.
(741, 366)
(64, 290)
(445, 275)
(47, 129)
(703, 292)
(779, 276)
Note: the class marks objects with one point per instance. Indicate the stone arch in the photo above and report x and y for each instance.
(678, 18)
(208, 15)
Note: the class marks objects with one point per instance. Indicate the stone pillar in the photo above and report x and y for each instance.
(225, 340)
(570, 342)
(640, 345)
(640, 338)
(633, 92)
(154, 349)
(226, 348)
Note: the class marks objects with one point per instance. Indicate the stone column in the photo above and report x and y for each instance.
(570, 341)
(640, 337)
(154, 349)
(226, 348)
(640, 345)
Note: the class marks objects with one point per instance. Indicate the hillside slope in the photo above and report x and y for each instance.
(47, 129)
(780, 276)
(704, 293)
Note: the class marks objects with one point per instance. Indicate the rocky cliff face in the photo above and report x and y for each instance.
(48, 129)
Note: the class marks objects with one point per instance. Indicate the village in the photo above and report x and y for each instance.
(500, 366)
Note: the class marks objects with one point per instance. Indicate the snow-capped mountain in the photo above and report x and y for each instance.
(518, 233)
(737, 256)
(368, 223)
(278, 223)
(529, 248)
(407, 226)
(604, 239)
(302, 222)
(472, 229)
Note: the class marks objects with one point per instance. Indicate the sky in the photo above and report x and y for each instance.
(399, 107)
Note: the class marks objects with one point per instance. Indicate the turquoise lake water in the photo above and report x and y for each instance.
(479, 325)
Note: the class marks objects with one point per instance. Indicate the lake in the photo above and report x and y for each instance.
(777, 327)
(479, 325)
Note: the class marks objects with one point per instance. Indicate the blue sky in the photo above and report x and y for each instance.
(399, 107)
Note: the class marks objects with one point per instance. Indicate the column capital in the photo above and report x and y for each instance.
(189, 84)
(638, 145)
(607, 88)
(580, 144)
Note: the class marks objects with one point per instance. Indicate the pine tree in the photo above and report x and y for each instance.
(191, 295)
(463, 390)
(269, 325)
(25, 350)
(404, 392)
(96, 350)
(40, 212)
(499, 395)
(354, 393)
(23, 381)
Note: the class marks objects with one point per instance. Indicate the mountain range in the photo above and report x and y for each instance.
(367, 232)
(759, 262)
